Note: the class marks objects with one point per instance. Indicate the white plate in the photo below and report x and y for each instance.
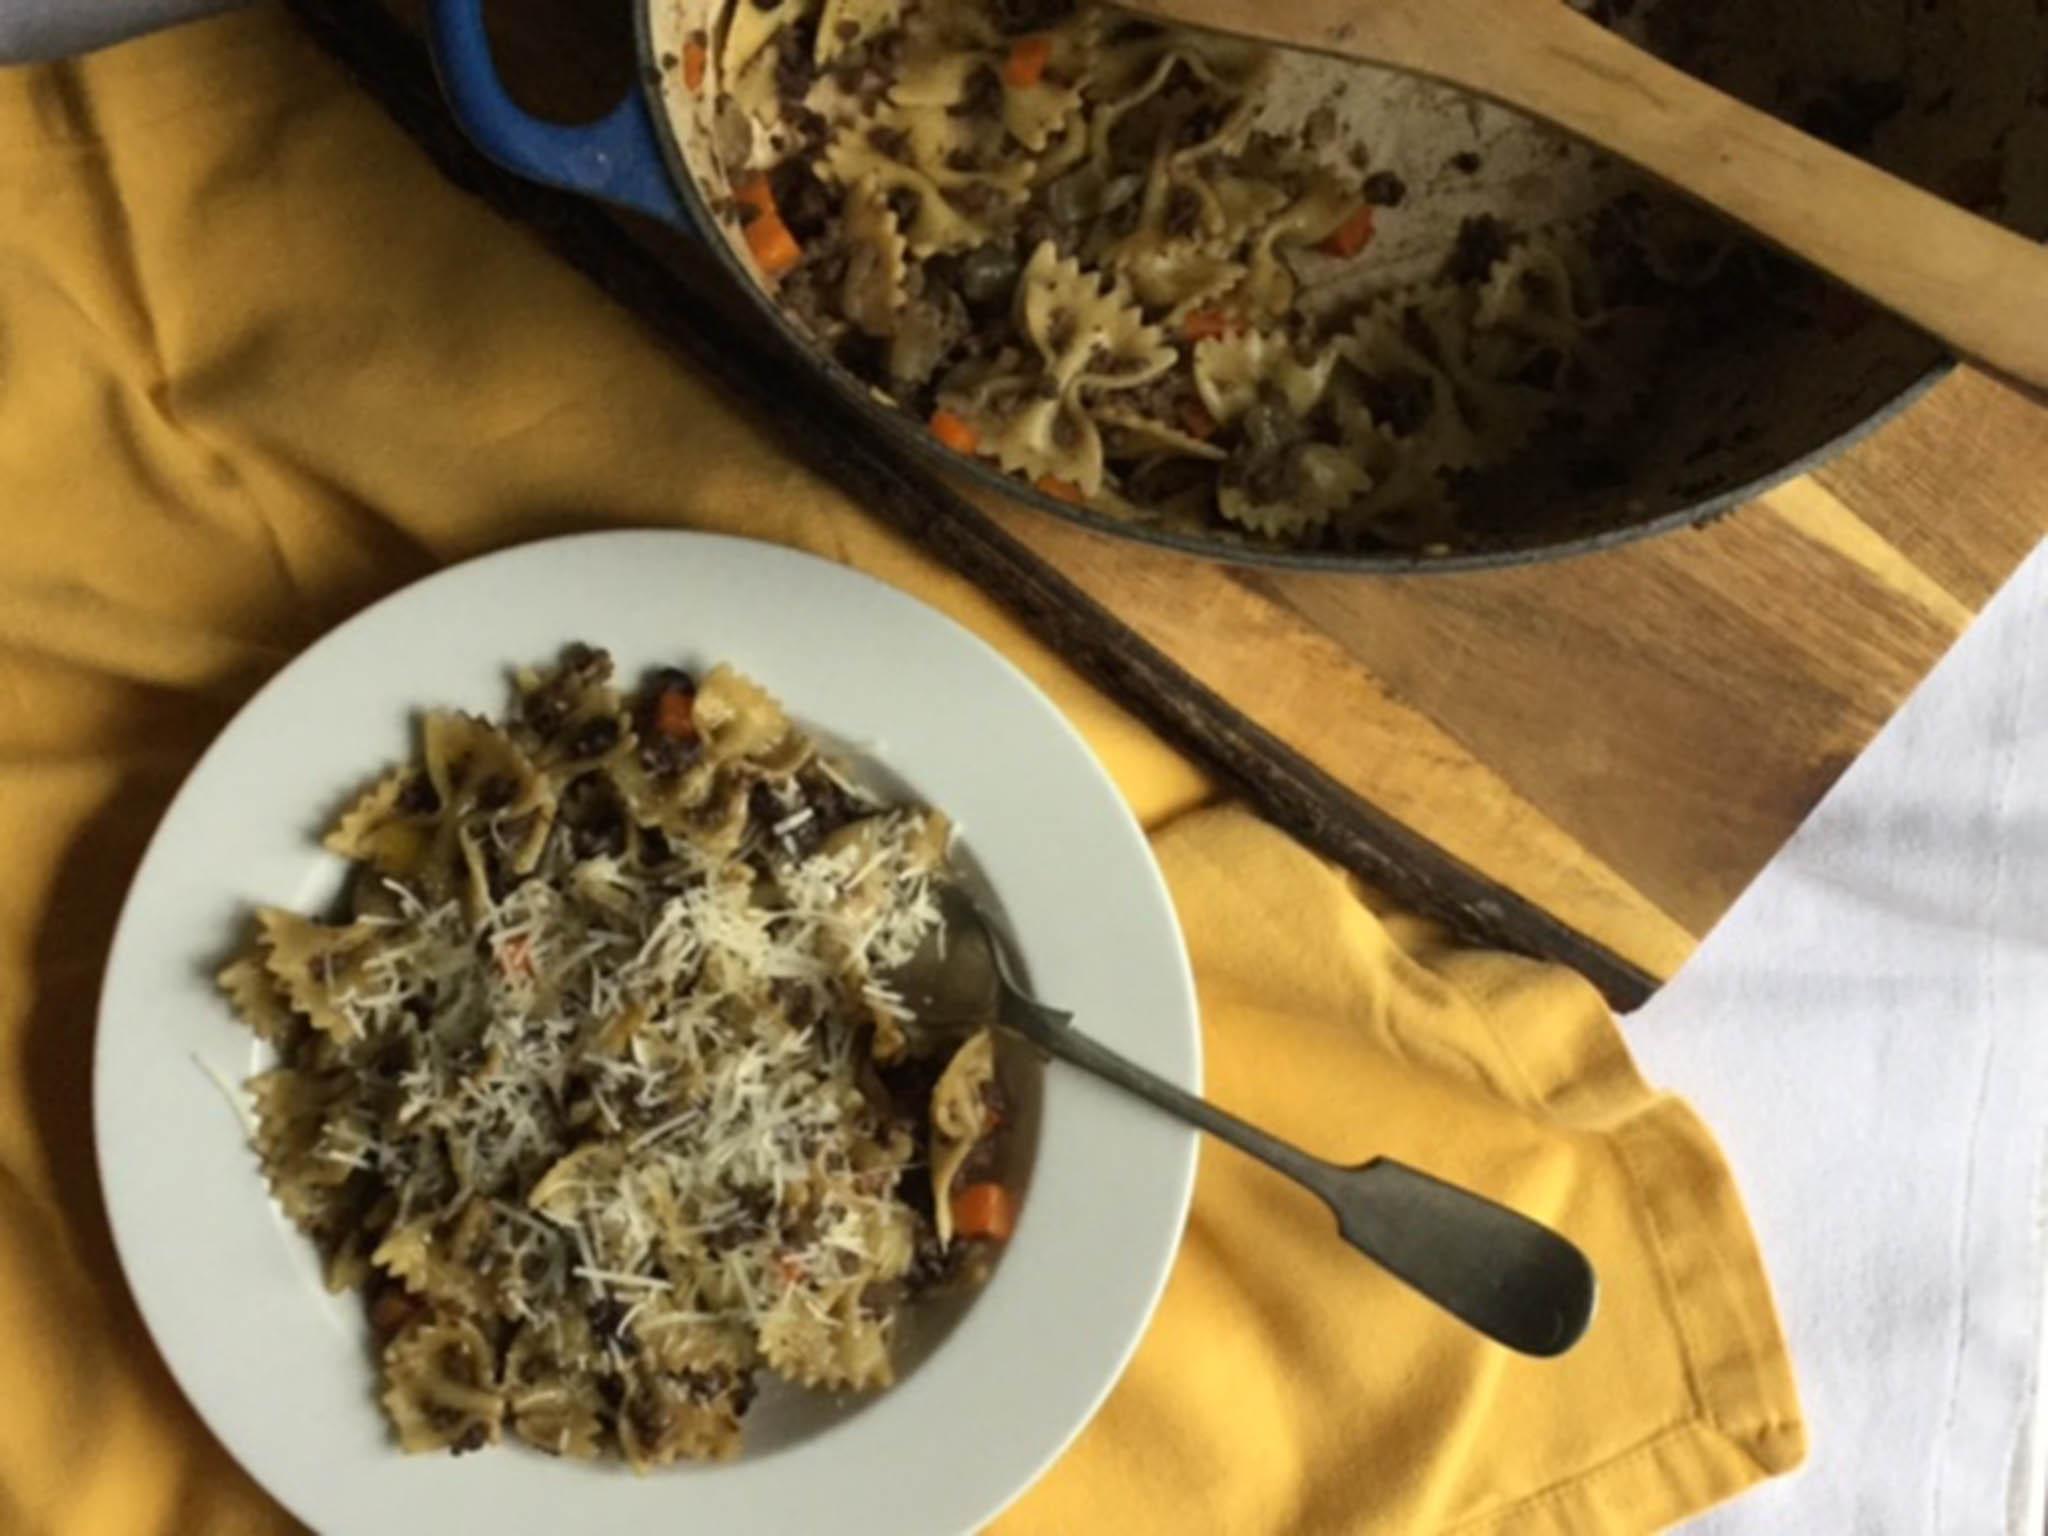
(280, 1369)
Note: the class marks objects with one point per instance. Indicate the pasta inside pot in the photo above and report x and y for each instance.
(1182, 279)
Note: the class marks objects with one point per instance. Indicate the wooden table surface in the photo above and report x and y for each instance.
(1623, 739)
(1586, 759)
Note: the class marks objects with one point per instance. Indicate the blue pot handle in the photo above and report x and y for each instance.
(617, 158)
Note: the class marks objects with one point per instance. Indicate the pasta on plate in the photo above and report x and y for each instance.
(600, 1094)
(1110, 258)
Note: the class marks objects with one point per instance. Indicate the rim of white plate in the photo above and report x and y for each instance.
(279, 1370)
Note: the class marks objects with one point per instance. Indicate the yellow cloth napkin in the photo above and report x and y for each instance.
(259, 365)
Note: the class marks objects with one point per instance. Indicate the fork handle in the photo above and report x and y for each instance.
(1513, 1279)
(1052, 1032)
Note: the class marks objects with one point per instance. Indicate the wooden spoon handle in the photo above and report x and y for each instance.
(1981, 289)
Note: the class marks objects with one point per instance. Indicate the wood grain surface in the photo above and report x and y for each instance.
(1626, 739)
(1586, 760)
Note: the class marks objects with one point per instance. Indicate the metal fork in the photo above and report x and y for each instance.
(1513, 1279)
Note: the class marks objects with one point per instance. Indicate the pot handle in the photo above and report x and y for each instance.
(617, 158)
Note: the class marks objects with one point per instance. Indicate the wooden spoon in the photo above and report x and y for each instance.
(1981, 289)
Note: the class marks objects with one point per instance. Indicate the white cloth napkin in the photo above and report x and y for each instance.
(1867, 1031)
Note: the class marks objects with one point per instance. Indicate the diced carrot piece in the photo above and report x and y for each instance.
(1352, 236)
(1207, 324)
(984, 1210)
(1026, 63)
(675, 714)
(516, 957)
(754, 193)
(694, 59)
(1060, 490)
(956, 432)
(1196, 421)
(774, 247)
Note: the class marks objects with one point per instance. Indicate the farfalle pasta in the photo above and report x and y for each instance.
(1096, 252)
(599, 1092)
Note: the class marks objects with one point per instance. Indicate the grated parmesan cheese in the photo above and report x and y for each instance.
(621, 1081)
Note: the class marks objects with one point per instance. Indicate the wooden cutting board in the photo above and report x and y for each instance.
(1587, 760)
